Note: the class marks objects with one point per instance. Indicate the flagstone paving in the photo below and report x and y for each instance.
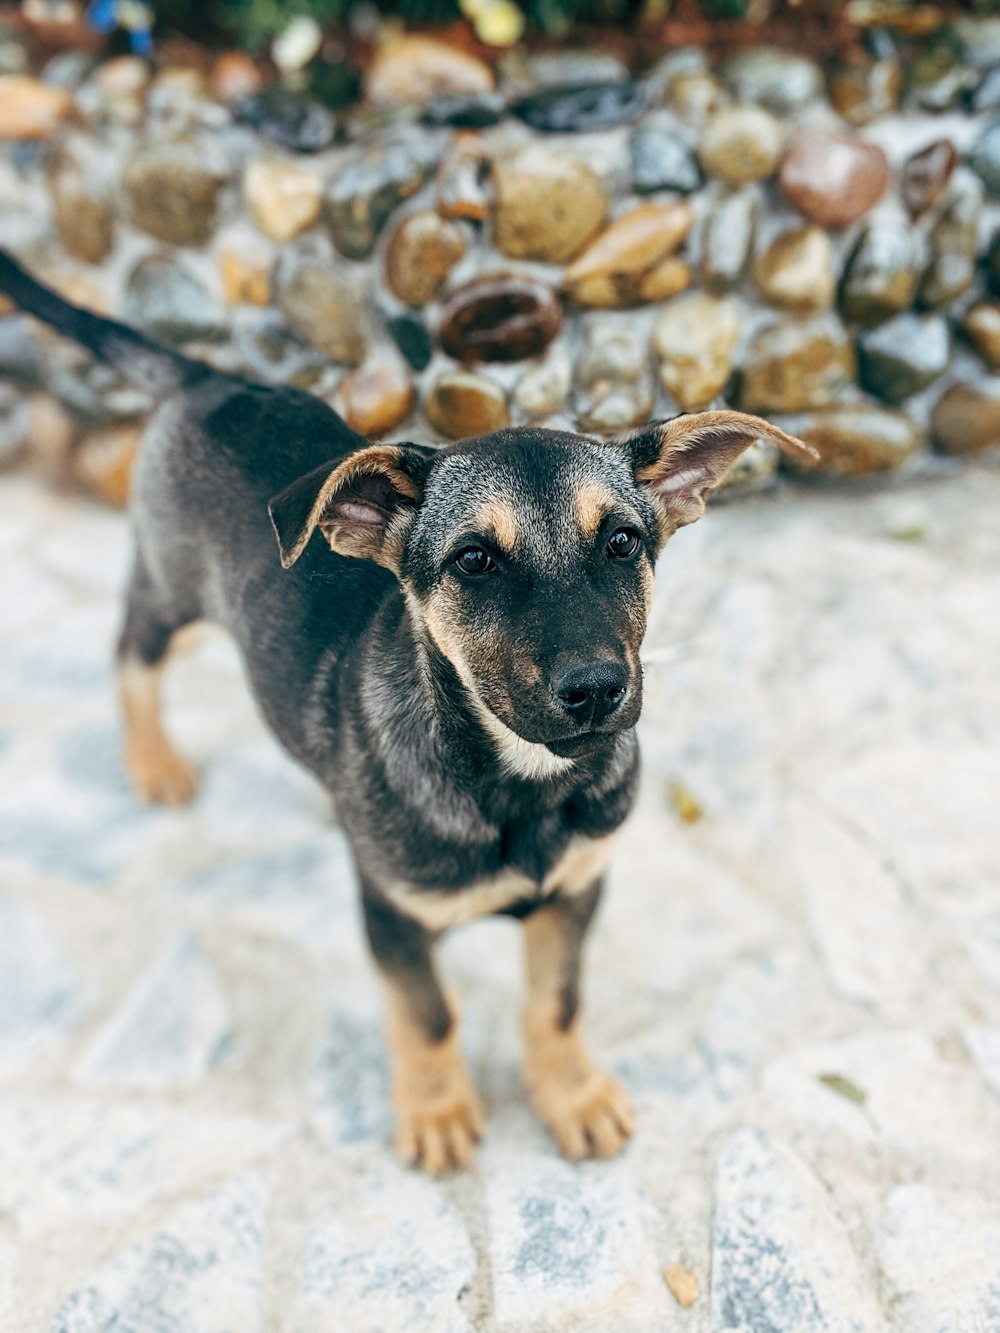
(802, 986)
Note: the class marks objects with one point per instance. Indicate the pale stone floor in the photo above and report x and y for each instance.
(802, 988)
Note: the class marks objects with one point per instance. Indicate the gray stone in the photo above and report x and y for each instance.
(728, 239)
(778, 79)
(903, 355)
(953, 243)
(21, 356)
(172, 190)
(613, 376)
(322, 305)
(661, 160)
(781, 1258)
(880, 278)
(544, 386)
(42, 997)
(165, 298)
(368, 187)
(169, 1031)
(200, 1271)
(985, 157)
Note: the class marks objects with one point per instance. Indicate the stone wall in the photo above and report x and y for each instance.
(474, 246)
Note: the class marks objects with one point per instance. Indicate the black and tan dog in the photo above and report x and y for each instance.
(449, 640)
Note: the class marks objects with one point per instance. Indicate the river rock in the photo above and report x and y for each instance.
(856, 441)
(740, 144)
(419, 69)
(752, 471)
(778, 79)
(376, 397)
(172, 190)
(22, 353)
(367, 189)
(463, 179)
(982, 328)
(880, 277)
(544, 387)
(903, 355)
(284, 198)
(695, 96)
(103, 461)
(505, 317)
(987, 95)
(560, 68)
(466, 111)
(167, 300)
(796, 365)
(587, 106)
(728, 239)
(287, 119)
(320, 304)
(939, 76)
(796, 270)
(245, 271)
(269, 350)
(234, 75)
(610, 270)
(424, 249)
(413, 339)
(953, 245)
(984, 158)
(662, 161)
(925, 175)
(664, 280)
(548, 206)
(695, 338)
(966, 418)
(30, 109)
(863, 91)
(462, 404)
(832, 178)
(978, 36)
(614, 383)
(80, 205)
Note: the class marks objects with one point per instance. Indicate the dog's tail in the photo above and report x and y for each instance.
(146, 363)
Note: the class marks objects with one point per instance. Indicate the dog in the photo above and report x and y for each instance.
(448, 638)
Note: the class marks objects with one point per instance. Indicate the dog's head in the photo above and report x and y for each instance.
(526, 558)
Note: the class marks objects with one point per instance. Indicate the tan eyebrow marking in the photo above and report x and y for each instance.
(498, 518)
(591, 502)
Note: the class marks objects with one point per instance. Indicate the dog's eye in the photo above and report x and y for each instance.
(623, 543)
(474, 560)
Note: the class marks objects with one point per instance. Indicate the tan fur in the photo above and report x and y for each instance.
(439, 1118)
(498, 519)
(159, 774)
(587, 1111)
(591, 503)
(578, 867)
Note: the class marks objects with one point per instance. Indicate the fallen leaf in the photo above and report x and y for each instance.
(683, 1285)
(686, 806)
(914, 533)
(844, 1088)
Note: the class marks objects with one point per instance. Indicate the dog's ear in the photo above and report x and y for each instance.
(678, 462)
(359, 504)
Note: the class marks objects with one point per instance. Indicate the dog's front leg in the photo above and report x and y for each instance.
(439, 1118)
(587, 1111)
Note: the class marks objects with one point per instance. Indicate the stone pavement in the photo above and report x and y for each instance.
(802, 987)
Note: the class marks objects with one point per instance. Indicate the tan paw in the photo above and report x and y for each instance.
(160, 776)
(439, 1133)
(589, 1117)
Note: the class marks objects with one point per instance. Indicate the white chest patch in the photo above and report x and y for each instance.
(580, 864)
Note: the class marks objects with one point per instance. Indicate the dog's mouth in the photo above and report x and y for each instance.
(575, 747)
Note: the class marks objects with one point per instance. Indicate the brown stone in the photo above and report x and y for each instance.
(319, 303)
(966, 418)
(832, 178)
(863, 92)
(501, 318)
(235, 75)
(610, 271)
(463, 179)
(376, 397)
(982, 328)
(857, 441)
(695, 338)
(796, 270)
(462, 404)
(122, 76)
(284, 197)
(796, 365)
(245, 271)
(925, 174)
(80, 206)
(418, 69)
(547, 205)
(953, 246)
(104, 460)
(172, 190)
(668, 278)
(424, 249)
(694, 95)
(30, 109)
(740, 144)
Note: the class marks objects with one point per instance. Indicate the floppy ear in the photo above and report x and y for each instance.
(678, 462)
(359, 504)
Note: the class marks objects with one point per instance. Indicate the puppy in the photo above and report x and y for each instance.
(449, 640)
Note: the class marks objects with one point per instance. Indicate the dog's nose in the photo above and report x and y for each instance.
(592, 692)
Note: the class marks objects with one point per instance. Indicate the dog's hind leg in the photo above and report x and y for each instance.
(586, 1110)
(159, 774)
(439, 1118)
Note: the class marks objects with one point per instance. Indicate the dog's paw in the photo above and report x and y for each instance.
(160, 775)
(439, 1133)
(589, 1115)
